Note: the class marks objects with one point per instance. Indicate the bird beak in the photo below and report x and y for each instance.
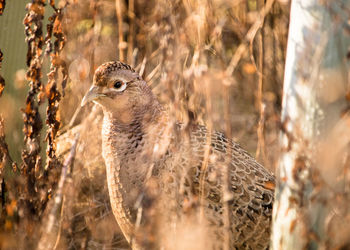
(93, 93)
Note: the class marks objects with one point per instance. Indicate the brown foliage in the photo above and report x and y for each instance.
(2, 6)
(25, 193)
(2, 80)
(183, 49)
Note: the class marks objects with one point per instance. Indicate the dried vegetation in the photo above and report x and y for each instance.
(218, 63)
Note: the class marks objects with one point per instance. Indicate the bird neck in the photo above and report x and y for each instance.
(135, 117)
(128, 149)
(131, 140)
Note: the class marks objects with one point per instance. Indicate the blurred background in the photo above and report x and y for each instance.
(213, 62)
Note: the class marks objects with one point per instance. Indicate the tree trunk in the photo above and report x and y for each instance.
(312, 204)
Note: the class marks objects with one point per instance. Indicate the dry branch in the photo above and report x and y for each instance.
(31, 168)
(53, 95)
(50, 233)
(2, 80)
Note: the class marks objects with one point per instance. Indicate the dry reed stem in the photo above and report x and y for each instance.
(48, 231)
(261, 149)
(58, 238)
(204, 166)
(118, 8)
(227, 195)
(242, 48)
(152, 74)
(131, 15)
(93, 6)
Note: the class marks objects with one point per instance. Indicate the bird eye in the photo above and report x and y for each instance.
(118, 84)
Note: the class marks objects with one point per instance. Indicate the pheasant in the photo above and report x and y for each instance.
(152, 160)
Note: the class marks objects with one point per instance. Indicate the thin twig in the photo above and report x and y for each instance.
(59, 226)
(131, 34)
(204, 167)
(260, 150)
(118, 8)
(45, 242)
(249, 37)
(226, 192)
(152, 74)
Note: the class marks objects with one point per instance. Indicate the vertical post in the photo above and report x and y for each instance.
(315, 128)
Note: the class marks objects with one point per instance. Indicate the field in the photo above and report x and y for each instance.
(217, 63)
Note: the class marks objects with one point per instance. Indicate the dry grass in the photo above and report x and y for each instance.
(218, 63)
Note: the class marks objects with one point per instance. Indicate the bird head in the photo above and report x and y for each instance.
(120, 90)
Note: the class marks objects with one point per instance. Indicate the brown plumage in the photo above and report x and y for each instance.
(145, 153)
